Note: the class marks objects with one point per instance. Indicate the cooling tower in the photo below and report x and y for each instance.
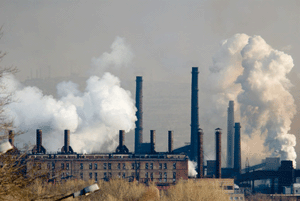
(194, 114)
(139, 114)
(230, 134)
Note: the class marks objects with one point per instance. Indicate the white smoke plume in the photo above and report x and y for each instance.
(253, 74)
(192, 168)
(93, 116)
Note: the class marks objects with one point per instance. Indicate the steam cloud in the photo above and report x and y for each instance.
(249, 71)
(93, 116)
(192, 168)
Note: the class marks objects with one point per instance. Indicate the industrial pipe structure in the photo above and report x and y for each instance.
(200, 154)
(230, 134)
(218, 152)
(139, 114)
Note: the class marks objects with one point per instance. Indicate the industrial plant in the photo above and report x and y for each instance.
(145, 164)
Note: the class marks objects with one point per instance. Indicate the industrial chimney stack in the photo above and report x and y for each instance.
(230, 134)
(67, 149)
(122, 149)
(200, 154)
(194, 114)
(237, 148)
(152, 141)
(38, 148)
(170, 142)
(139, 114)
(218, 152)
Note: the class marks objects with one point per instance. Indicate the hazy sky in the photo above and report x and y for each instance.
(167, 37)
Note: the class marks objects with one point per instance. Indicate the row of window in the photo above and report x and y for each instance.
(123, 175)
(133, 166)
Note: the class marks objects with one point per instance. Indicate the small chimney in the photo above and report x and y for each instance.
(230, 134)
(237, 148)
(152, 141)
(218, 152)
(11, 137)
(200, 153)
(170, 141)
(122, 149)
(67, 140)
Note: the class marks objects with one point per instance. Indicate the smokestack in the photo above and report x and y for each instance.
(152, 141)
(170, 141)
(200, 153)
(121, 138)
(122, 149)
(218, 152)
(139, 114)
(194, 114)
(11, 137)
(38, 148)
(67, 140)
(237, 148)
(230, 134)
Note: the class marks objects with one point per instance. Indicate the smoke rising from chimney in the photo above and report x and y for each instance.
(253, 74)
(93, 116)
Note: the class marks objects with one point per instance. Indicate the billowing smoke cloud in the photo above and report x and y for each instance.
(93, 116)
(249, 71)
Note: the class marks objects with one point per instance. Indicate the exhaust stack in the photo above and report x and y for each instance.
(194, 114)
(38, 148)
(139, 114)
(218, 152)
(67, 149)
(170, 142)
(152, 142)
(230, 134)
(237, 148)
(11, 137)
(122, 149)
(200, 154)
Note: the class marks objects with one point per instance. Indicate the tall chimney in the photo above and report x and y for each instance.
(170, 142)
(121, 138)
(39, 139)
(139, 114)
(194, 114)
(200, 153)
(11, 137)
(237, 148)
(67, 141)
(230, 134)
(152, 141)
(218, 152)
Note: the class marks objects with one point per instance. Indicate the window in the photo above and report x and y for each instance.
(151, 166)
(119, 166)
(104, 166)
(160, 176)
(90, 166)
(165, 177)
(109, 174)
(96, 166)
(132, 166)
(53, 166)
(174, 176)
(146, 175)
(160, 166)
(81, 175)
(105, 175)
(62, 175)
(137, 176)
(109, 166)
(124, 166)
(67, 174)
(119, 174)
(67, 166)
(123, 176)
(165, 166)
(91, 175)
(151, 176)
(138, 166)
(174, 166)
(96, 176)
(146, 166)
(81, 166)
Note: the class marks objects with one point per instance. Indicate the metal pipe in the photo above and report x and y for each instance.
(200, 153)
(152, 140)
